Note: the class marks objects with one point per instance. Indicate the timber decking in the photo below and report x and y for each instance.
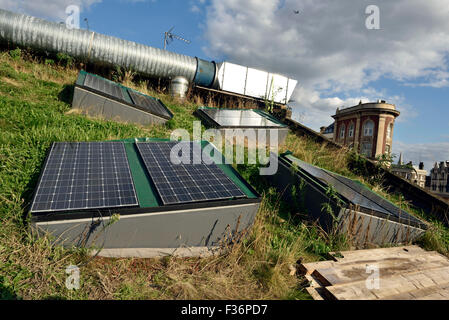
(405, 273)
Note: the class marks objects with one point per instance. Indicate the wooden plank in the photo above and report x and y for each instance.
(431, 293)
(390, 286)
(360, 256)
(308, 268)
(438, 295)
(388, 267)
(363, 254)
(315, 293)
(312, 281)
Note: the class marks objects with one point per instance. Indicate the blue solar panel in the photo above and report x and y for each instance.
(85, 175)
(152, 105)
(184, 183)
(104, 86)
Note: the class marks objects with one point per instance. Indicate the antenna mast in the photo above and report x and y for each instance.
(169, 36)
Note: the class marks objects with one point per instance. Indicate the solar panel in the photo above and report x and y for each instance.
(184, 183)
(239, 118)
(103, 86)
(151, 105)
(355, 192)
(85, 175)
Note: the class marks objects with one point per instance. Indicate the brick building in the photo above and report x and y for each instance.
(367, 127)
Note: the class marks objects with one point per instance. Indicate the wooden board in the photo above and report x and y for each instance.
(390, 286)
(387, 266)
(312, 281)
(315, 293)
(405, 273)
(353, 257)
(363, 254)
(308, 268)
(432, 293)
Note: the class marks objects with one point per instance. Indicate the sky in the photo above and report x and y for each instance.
(327, 47)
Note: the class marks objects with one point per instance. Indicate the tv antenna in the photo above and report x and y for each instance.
(169, 36)
(87, 23)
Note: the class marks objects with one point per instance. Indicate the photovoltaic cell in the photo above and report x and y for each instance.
(354, 192)
(85, 175)
(149, 104)
(103, 86)
(184, 183)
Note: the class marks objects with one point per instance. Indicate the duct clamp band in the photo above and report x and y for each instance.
(90, 45)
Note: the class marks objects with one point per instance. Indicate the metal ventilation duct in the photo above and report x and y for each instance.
(39, 34)
(36, 33)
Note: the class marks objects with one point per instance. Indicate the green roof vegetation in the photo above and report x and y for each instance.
(35, 98)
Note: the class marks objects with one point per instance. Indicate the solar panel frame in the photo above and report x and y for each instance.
(126, 96)
(186, 183)
(73, 180)
(356, 193)
(149, 104)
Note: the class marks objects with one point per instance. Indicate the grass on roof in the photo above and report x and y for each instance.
(35, 98)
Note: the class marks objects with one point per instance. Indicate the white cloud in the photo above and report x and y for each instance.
(439, 79)
(429, 153)
(50, 9)
(328, 49)
(195, 9)
(196, 6)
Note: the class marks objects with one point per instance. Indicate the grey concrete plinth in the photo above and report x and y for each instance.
(190, 232)
(360, 226)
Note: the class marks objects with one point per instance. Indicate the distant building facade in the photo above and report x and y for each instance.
(367, 128)
(439, 179)
(414, 174)
(328, 132)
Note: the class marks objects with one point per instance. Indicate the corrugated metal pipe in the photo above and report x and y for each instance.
(39, 34)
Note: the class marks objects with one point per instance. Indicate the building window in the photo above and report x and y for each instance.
(351, 130)
(366, 149)
(342, 131)
(389, 129)
(368, 128)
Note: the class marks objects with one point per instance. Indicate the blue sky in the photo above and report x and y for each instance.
(146, 21)
(326, 47)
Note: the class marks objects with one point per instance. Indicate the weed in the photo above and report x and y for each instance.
(65, 60)
(16, 53)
